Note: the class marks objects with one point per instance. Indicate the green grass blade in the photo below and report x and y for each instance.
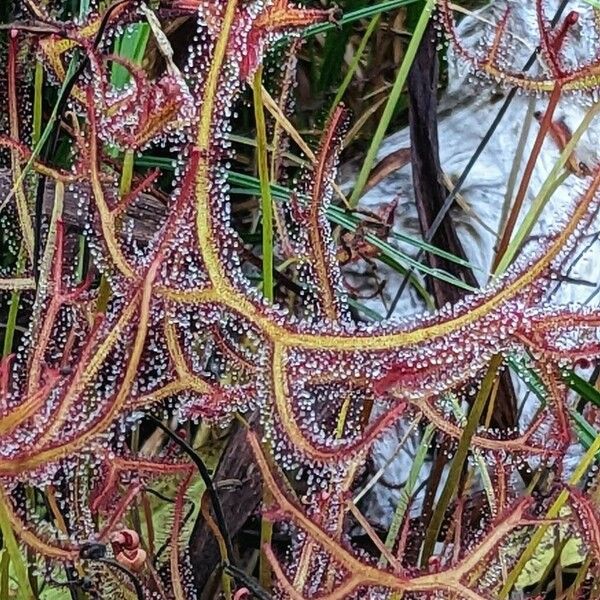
(131, 45)
(527, 375)
(407, 491)
(4, 573)
(246, 184)
(585, 432)
(392, 101)
(355, 61)
(12, 547)
(459, 459)
(365, 310)
(357, 15)
(266, 530)
(265, 187)
(584, 388)
(38, 84)
(336, 214)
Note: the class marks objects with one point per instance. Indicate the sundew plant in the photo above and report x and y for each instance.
(181, 346)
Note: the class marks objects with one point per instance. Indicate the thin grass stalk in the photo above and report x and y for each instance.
(362, 120)
(355, 61)
(390, 107)
(127, 172)
(241, 139)
(24, 591)
(84, 8)
(4, 573)
(277, 147)
(516, 165)
(13, 311)
(362, 521)
(526, 179)
(38, 85)
(309, 547)
(407, 492)
(266, 528)
(81, 252)
(477, 456)
(359, 14)
(460, 457)
(265, 187)
(124, 189)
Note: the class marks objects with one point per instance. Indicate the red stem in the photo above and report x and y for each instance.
(526, 180)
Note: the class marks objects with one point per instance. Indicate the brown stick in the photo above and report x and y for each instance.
(147, 213)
